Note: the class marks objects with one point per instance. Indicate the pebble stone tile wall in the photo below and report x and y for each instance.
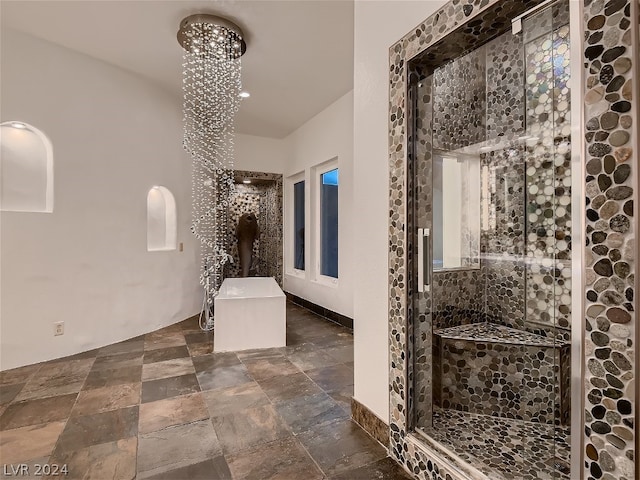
(497, 371)
(610, 60)
(611, 137)
(245, 199)
(548, 170)
(485, 87)
(264, 198)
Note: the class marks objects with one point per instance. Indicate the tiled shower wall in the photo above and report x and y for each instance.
(610, 162)
(245, 199)
(611, 136)
(478, 99)
(264, 199)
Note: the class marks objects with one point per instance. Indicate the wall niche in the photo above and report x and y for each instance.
(161, 220)
(26, 169)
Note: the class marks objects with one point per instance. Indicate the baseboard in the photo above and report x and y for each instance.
(323, 312)
(370, 422)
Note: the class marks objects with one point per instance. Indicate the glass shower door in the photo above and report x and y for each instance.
(490, 206)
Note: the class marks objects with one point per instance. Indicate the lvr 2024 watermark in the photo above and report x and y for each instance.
(36, 469)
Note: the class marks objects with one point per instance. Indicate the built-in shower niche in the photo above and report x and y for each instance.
(489, 181)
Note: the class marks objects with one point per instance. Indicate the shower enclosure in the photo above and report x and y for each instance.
(489, 211)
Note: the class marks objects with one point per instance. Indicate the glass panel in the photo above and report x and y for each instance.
(329, 223)
(298, 225)
(489, 175)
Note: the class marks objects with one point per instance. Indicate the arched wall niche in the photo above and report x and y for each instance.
(161, 220)
(26, 169)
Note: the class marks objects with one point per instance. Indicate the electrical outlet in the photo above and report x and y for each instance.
(58, 328)
(181, 247)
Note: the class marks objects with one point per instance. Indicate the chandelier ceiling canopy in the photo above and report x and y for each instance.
(219, 31)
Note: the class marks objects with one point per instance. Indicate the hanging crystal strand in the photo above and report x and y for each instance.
(211, 87)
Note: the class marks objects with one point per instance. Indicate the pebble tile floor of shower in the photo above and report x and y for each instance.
(163, 406)
(502, 447)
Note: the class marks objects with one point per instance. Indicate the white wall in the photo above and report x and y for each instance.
(326, 136)
(378, 25)
(259, 154)
(114, 136)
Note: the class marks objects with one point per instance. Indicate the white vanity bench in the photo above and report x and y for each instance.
(249, 313)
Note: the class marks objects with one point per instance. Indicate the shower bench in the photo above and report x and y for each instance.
(249, 313)
(491, 369)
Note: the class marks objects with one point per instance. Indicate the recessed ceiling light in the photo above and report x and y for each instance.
(245, 94)
(246, 180)
(18, 125)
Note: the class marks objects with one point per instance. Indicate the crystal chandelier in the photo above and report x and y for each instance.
(211, 86)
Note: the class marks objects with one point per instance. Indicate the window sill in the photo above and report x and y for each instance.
(326, 281)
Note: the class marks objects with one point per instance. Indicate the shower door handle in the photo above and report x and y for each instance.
(424, 260)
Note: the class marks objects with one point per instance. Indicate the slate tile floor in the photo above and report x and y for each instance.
(163, 406)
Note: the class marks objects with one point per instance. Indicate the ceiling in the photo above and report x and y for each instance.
(299, 54)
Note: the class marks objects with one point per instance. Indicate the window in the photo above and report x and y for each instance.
(329, 223)
(298, 225)
(161, 220)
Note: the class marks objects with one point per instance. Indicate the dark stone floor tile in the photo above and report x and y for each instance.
(33, 412)
(176, 447)
(342, 353)
(282, 460)
(113, 376)
(78, 356)
(319, 330)
(162, 354)
(293, 338)
(199, 349)
(54, 379)
(342, 337)
(304, 413)
(172, 411)
(103, 399)
(333, 377)
(248, 428)
(343, 396)
(20, 445)
(308, 356)
(109, 362)
(200, 337)
(84, 431)
(286, 387)
(128, 346)
(116, 460)
(263, 368)
(9, 392)
(18, 375)
(254, 354)
(223, 377)
(190, 325)
(211, 469)
(167, 368)
(230, 400)
(385, 469)
(215, 360)
(164, 339)
(340, 446)
(169, 387)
